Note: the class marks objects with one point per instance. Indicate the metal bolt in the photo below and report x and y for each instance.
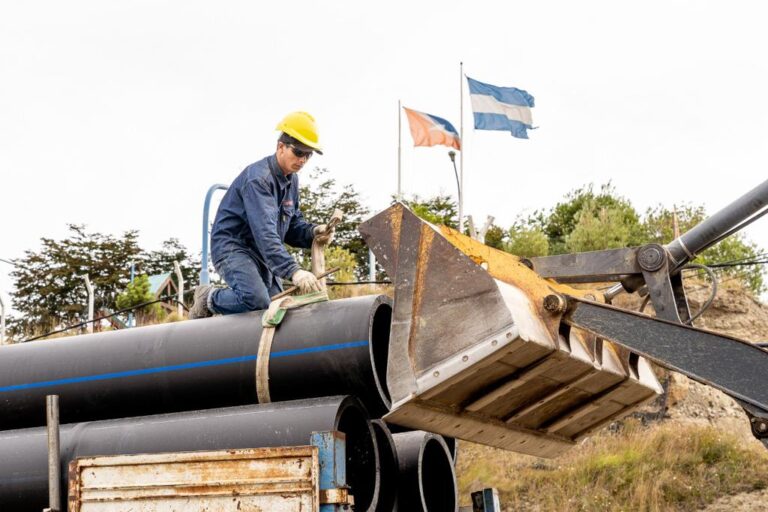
(651, 257)
(554, 303)
(762, 427)
(436, 374)
(465, 358)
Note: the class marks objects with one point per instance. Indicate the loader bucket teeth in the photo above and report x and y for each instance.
(474, 353)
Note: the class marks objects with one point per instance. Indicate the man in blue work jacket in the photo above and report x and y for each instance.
(258, 213)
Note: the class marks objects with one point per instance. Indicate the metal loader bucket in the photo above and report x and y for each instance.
(474, 354)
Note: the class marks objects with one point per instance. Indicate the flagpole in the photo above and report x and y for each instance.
(461, 155)
(399, 152)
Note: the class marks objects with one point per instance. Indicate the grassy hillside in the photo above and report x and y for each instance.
(668, 467)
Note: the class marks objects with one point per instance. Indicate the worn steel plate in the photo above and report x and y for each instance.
(261, 479)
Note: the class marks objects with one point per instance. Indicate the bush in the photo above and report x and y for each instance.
(339, 257)
(138, 293)
(527, 242)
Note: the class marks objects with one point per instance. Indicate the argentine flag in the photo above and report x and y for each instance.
(501, 108)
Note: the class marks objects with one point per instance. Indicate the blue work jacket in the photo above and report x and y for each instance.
(258, 213)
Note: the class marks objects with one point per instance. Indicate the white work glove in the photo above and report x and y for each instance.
(306, 281)
(322, 234)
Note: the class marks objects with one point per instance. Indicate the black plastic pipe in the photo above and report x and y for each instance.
(427, 480)
(330, 348)
(450, 442)
(388, 467)
(23, 454)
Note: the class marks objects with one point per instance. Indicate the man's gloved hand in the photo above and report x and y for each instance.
(323, 235)
(306, 281)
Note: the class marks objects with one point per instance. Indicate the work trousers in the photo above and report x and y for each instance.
(246, 287)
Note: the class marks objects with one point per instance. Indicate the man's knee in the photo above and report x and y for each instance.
(254, 299)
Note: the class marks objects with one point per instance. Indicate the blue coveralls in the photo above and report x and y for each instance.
(259, 212)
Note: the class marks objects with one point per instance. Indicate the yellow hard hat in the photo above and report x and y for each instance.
(301, 126)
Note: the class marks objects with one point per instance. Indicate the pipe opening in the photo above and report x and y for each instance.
(388, 466)
(380, 325)
(437, 477)
(362, 457)
(450, 443)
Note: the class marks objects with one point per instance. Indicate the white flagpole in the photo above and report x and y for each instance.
(461, 156)
(399, 152)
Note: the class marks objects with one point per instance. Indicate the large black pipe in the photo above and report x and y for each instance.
(427, 480)
(451, 442)
(23, 455)
(388, 467)
(329, 348)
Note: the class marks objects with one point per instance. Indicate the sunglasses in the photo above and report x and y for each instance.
(300, 153)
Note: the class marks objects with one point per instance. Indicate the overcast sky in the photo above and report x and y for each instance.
(120, 115)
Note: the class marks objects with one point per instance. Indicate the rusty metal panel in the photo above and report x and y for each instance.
(261, 479)
(477, 353)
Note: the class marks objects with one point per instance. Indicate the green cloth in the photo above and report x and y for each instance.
(276, 312)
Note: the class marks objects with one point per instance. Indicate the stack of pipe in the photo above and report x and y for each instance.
(24, 468)
(191, 386)
(417, 469)
(324, 349)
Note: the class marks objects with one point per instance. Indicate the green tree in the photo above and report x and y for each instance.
(496, 237)
(599, 228)
(342, 258)
(49, 288)
(339, 257)
(526, 242)
(736, 249)
(318, 198)
(659, 228)
(136, 293)
(659, 223)
(559, 222)
(589, 220)
(161, 261)
(440, 209)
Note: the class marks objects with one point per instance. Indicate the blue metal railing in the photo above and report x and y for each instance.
(204, 277)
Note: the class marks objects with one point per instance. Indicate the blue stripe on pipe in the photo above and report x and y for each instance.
(177, 367)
